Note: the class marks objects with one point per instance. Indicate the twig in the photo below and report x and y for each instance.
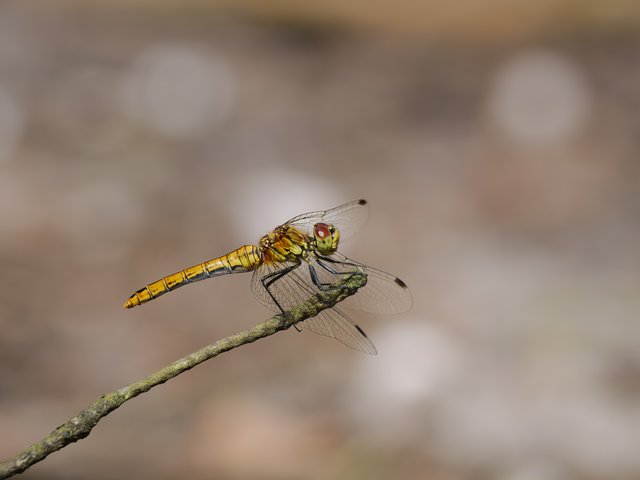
(80, 425)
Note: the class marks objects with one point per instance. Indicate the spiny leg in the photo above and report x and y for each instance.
(316, 280)
(327, 286)
(322, 259)
(273, 277)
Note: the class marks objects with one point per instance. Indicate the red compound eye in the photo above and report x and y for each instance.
(322, 230)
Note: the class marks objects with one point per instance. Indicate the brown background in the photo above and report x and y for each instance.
(497, 143)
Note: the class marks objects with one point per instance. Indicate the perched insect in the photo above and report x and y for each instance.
(295, 261)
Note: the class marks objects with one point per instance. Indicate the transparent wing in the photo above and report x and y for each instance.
(347, 218)
(383, 293)
(296, 286)
(286, 299)
(335, 324)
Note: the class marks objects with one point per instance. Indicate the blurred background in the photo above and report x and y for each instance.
(497, 143)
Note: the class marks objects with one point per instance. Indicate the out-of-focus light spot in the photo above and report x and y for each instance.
(12, 120)
(99, 220)
(266, 198)
(417, 364)
(179, 90)
(80, 108)
(540, 99)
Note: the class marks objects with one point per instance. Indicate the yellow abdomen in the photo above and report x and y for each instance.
(244, 259)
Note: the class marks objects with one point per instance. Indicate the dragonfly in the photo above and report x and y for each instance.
(297, 260)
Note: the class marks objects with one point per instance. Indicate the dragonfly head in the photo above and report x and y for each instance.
(326, 238)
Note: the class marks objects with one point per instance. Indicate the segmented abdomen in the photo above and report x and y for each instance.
(244, 259)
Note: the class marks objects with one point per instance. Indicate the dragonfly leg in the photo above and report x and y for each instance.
(316, 280)
(320, 260)
(273, 277)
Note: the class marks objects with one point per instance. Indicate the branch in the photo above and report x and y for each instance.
(80, 425)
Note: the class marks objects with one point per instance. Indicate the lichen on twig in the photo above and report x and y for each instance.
(80, 425)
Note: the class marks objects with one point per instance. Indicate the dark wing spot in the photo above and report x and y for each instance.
(362, 201)
(400, 282)
(361, 331)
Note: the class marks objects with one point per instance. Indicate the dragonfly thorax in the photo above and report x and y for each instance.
(285, 243)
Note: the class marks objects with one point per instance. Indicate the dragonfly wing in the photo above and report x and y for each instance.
(335, 324)
(347, 218)
(295, 287)
(268, 270)
(383, 293)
